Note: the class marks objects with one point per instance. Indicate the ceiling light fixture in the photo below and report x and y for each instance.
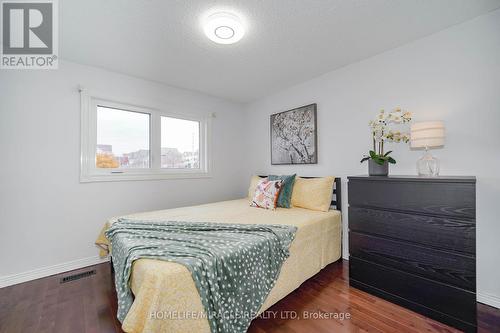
(224, 28)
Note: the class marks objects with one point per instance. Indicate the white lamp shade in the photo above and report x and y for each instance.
(427, 134)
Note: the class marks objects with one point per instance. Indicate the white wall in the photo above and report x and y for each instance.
(46, 216)
(453, 75)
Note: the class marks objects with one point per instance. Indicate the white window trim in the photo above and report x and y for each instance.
(88, 171)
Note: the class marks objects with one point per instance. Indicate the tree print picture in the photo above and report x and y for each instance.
(294, 136)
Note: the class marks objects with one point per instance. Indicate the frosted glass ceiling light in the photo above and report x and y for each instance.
(224, 28)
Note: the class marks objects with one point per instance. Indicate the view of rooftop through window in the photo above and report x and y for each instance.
(122, 139)
(180, 143)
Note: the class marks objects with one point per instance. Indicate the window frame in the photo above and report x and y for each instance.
(90, 173)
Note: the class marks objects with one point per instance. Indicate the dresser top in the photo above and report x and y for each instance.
(439, 179)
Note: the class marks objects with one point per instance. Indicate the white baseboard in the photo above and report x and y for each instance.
(488, 299)
(38, 273)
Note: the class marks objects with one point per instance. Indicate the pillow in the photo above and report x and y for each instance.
(286, 189)
(266, 194)
(253, 185)
(313, 193)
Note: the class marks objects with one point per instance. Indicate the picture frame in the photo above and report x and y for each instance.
(294, 137)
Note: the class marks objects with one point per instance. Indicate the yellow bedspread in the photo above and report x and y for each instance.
(166, 298)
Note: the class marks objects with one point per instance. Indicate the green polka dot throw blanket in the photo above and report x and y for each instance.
(234, 266)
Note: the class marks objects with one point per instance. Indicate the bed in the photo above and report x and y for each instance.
(166, 298)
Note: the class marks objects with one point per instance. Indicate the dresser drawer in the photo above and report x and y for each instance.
(437, 300)
(442, 232)
(434, 198)
(451, 268)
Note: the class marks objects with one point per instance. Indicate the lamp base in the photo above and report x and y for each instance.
(428, 165)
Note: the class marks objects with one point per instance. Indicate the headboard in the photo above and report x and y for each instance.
(337, 192)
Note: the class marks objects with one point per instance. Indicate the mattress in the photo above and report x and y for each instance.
(166, 298)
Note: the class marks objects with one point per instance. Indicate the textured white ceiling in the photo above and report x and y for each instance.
(287, 41)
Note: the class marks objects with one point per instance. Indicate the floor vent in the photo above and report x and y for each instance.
(77, 276)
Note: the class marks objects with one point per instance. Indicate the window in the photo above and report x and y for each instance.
(126, 142)
(180, 143)
(122, 139)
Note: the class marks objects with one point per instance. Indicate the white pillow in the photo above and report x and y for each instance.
(253, 185)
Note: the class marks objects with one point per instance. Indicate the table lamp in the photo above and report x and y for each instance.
(427, 134)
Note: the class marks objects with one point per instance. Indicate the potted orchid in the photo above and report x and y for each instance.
(378, 160)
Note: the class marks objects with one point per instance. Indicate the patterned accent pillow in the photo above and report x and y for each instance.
(285, 196)
(266, 194)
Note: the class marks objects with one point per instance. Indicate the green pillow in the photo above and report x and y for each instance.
(285, 195)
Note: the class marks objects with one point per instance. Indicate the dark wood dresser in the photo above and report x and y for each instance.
(412, 241)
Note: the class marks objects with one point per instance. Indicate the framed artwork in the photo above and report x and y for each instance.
(294, 136)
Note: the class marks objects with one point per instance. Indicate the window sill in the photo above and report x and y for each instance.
(142, 176)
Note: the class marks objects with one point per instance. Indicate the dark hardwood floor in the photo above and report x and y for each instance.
(89, 305)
